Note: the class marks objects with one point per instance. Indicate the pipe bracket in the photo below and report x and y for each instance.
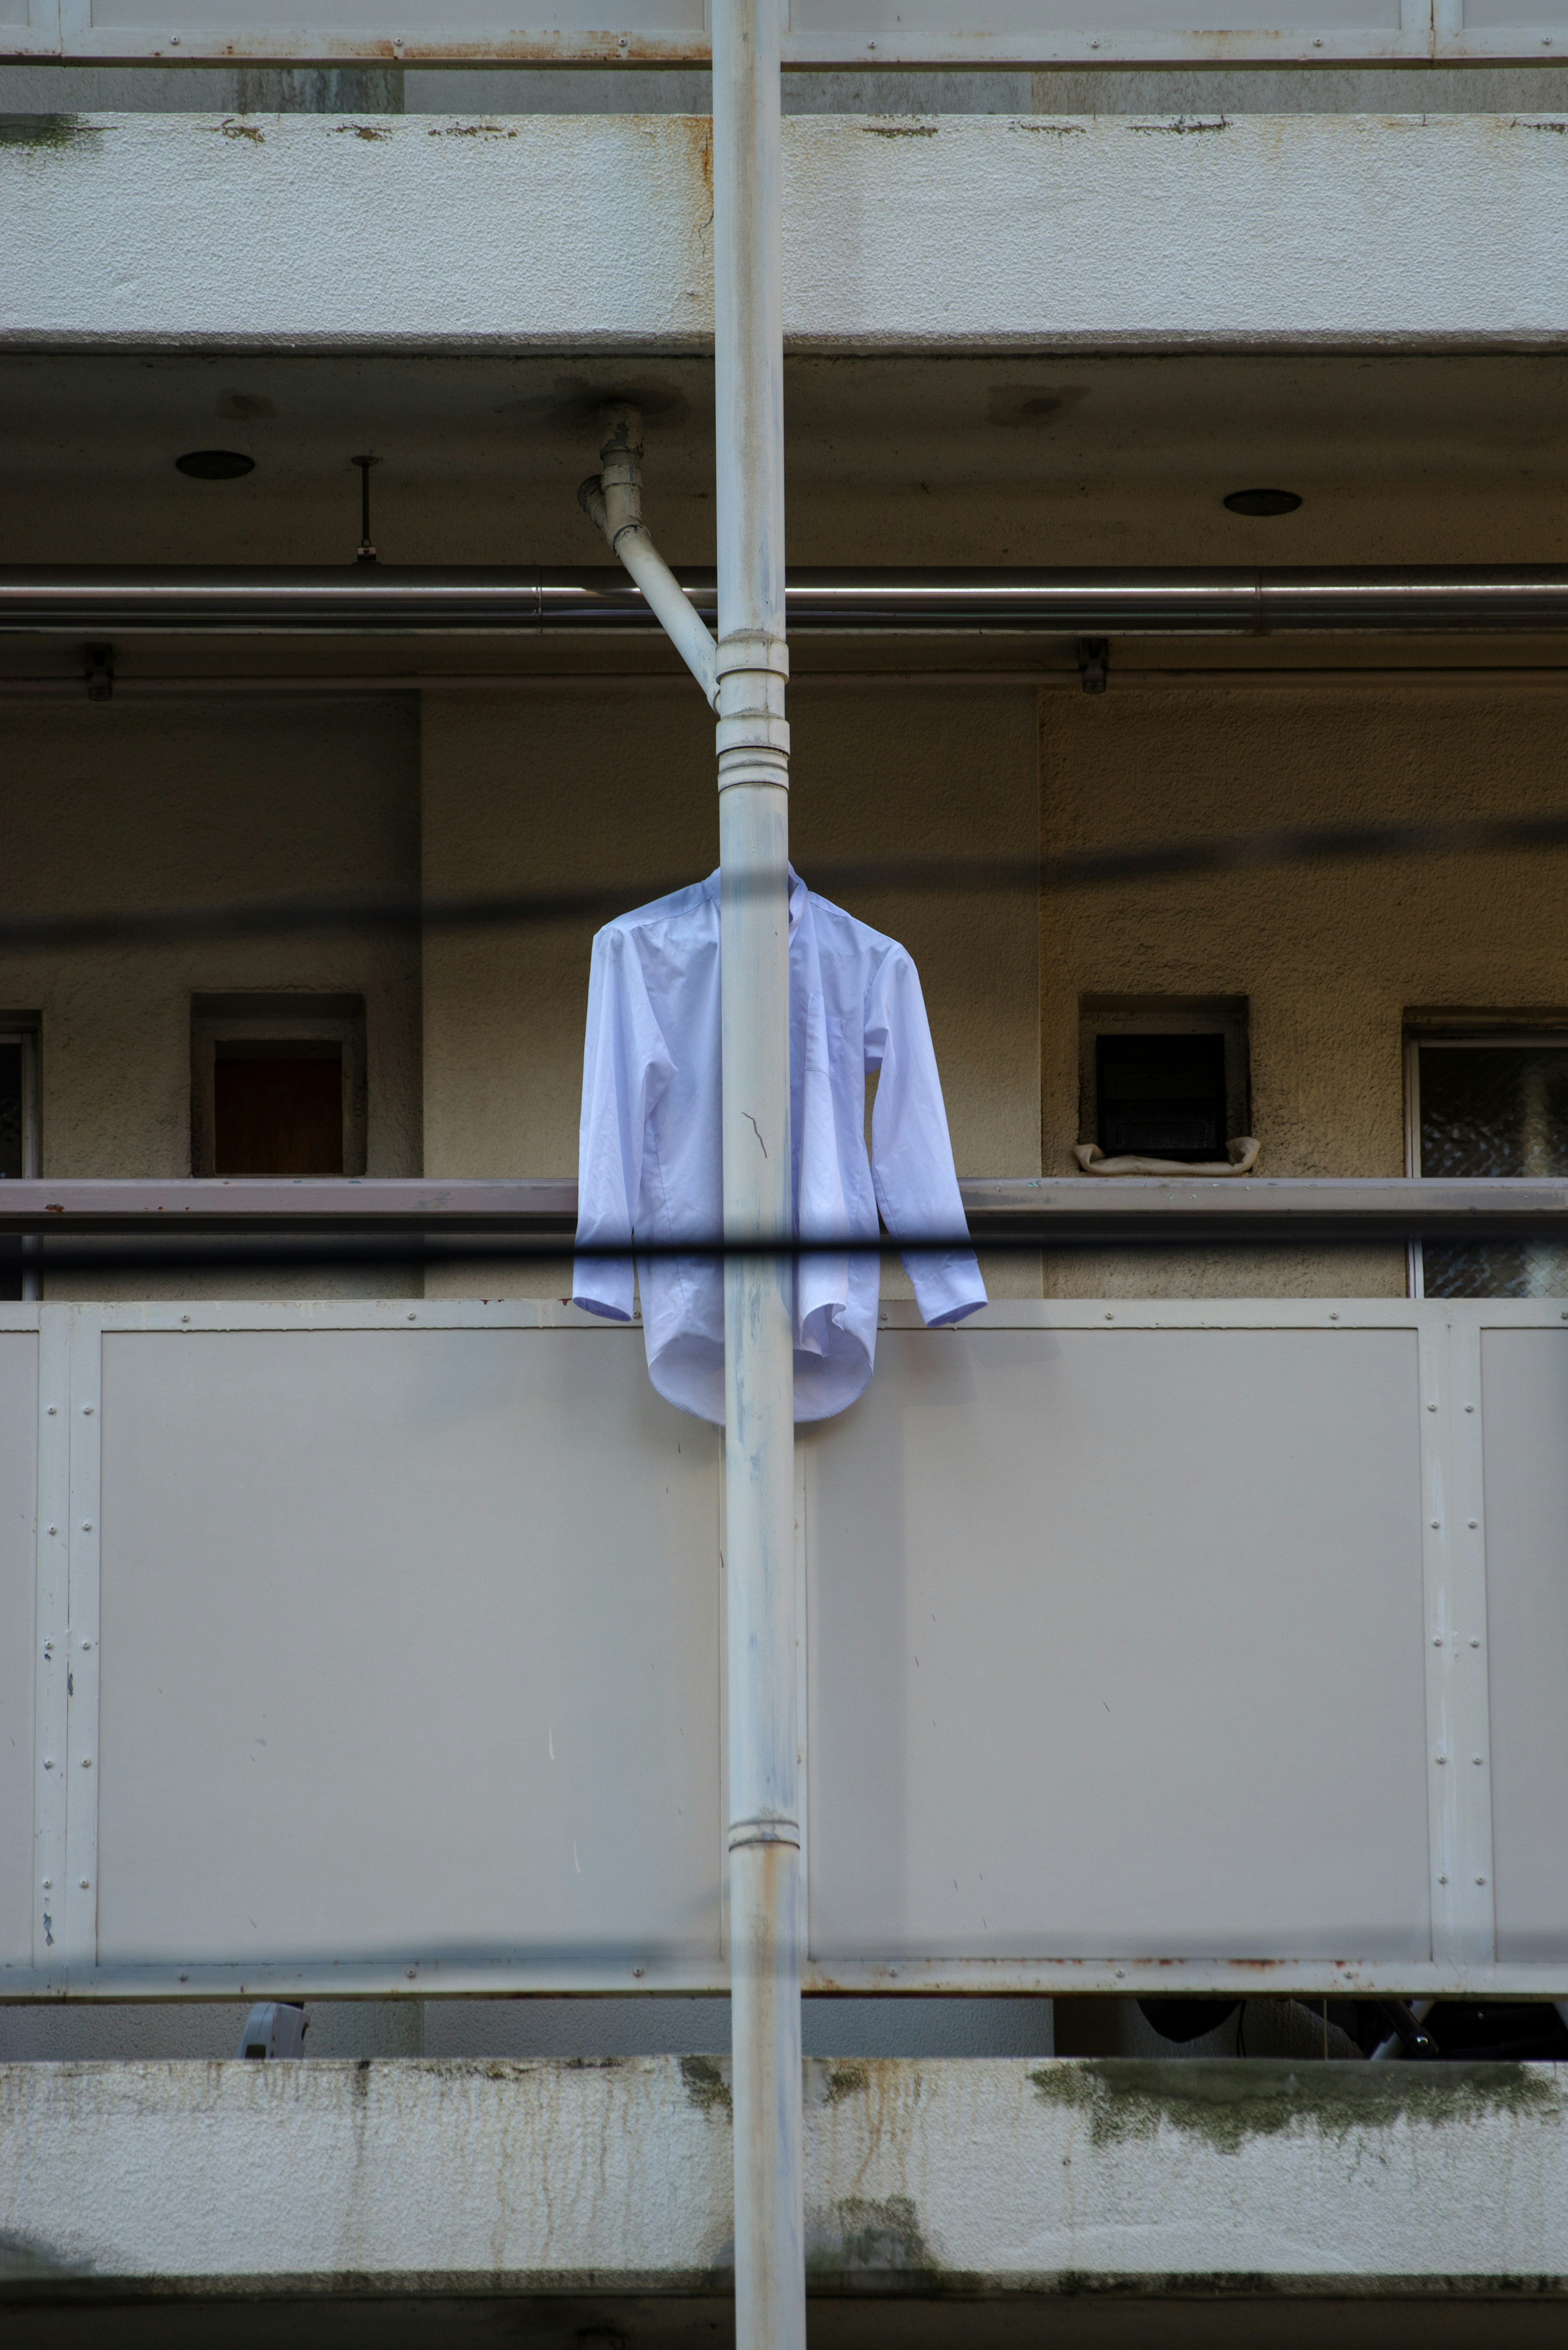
(753, 733)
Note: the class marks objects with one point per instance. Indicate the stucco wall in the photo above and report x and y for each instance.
(955, 232)
(1045, 2177)
(1330, 957)
(192, 803)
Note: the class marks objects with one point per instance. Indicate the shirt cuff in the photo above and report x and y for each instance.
(946, 1287)
(603, 1284)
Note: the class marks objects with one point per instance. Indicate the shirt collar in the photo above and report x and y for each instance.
(797, 896)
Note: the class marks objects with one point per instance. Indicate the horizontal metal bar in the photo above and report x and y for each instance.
(1065, 678)
(1081, 1209)
(895, 50)
(822, 1977)
(366, 599)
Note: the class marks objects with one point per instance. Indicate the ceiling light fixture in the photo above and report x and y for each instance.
(1263, 501)
(215, 465)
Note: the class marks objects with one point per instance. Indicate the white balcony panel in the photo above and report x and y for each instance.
(1146, 1645)
(1524, 1376)
(455, 26)
(410, 1647)
(1532, 29)
(879, 33)
(908, 22)
(1117, 1649)
(19, 1489)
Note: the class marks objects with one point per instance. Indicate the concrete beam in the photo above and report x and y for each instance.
(947, 233)
(998, 2176)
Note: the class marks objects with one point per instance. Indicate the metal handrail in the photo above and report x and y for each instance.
(1002, 1210)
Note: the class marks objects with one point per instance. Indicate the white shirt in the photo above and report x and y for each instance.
(651, 1157)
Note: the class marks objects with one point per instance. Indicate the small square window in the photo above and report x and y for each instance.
(1163, 1077)
(1160, 1096)
(1488, 1105)
(277, 1084)
(277, 1108)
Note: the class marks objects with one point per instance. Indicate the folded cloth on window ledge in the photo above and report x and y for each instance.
(1243, 1157)
(651, 1154)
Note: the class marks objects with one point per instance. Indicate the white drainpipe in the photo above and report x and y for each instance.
(759, 1357)
(613, 499)
(743, 677)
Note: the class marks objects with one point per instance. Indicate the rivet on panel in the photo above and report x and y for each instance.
(84, 1882)
(1443, 1879)
(1472, 1523)
(1481, 1880)
(86, 1411)
(1431, 1407)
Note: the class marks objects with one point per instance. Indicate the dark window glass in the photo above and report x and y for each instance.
(10, 1109)
(1494, 1109)
(10, 1158)
(1161, 1096)
(277, 1109)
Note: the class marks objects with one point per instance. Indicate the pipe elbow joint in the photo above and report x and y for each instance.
(591, 498)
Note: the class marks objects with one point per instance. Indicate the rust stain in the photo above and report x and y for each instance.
(1184, 125)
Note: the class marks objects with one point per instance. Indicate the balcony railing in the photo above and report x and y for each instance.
(375, 1645)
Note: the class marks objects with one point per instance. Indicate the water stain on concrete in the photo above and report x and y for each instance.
(46, 130)
(1228, 2101)
(706, 2085)
(871, 2236)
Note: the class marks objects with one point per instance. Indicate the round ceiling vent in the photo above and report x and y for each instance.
(1263, 501)
(215, 465)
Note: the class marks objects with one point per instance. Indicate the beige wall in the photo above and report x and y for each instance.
(195, 802)
(1330, 957)
(611, 782)
(574, 788)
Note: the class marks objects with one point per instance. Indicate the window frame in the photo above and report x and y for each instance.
(1167, 1015)
(1549, 1033)
(25, 1029)
(285, 1018)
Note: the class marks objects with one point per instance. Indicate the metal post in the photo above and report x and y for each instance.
(759, 1401)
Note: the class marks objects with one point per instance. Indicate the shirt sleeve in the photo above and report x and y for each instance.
(911, 1154)
(625, 1065)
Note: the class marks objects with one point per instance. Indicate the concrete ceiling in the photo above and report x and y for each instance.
(1077, 459)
